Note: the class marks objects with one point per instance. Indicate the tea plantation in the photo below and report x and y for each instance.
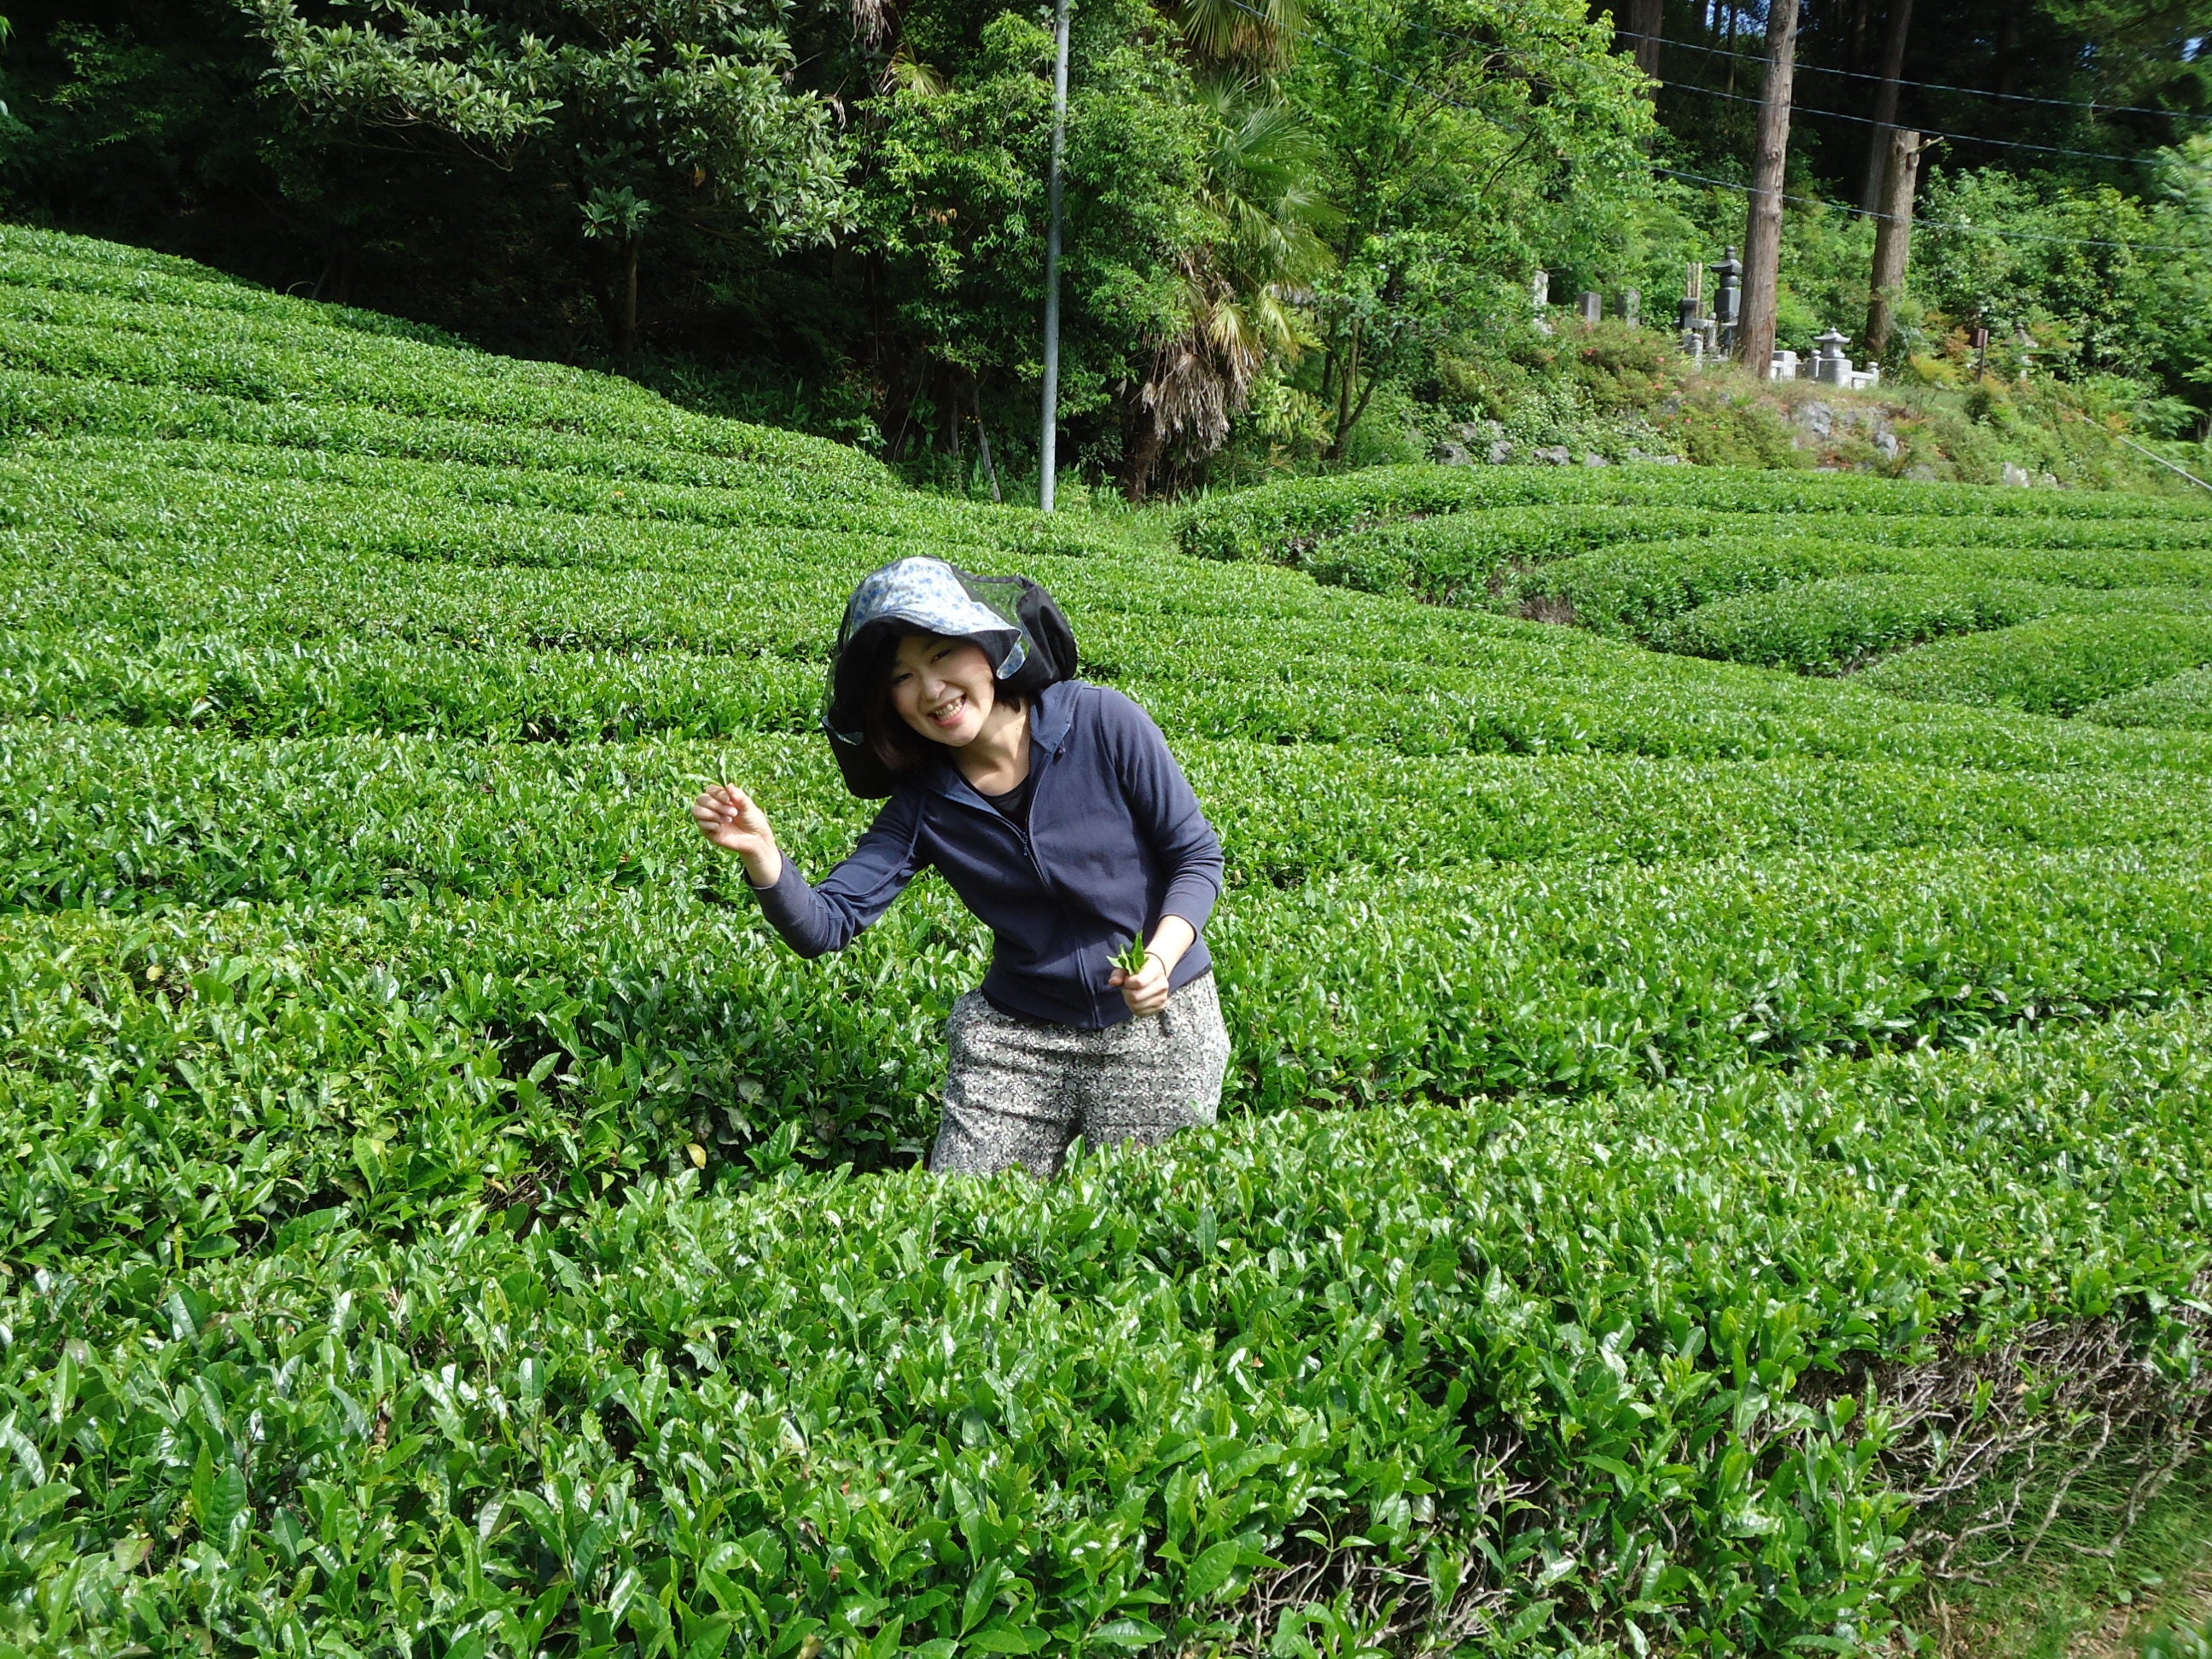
(1702, 1121)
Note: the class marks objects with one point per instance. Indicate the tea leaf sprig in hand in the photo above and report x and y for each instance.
(1131, 961)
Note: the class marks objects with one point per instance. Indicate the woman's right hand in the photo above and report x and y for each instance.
(733, 820)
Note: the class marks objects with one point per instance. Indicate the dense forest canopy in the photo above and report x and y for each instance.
(1300, 232)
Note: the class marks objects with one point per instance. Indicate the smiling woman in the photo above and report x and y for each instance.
(1054, 808)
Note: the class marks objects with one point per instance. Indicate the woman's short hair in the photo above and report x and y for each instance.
(897, 745)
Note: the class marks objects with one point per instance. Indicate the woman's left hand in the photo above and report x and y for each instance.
(1145, 991)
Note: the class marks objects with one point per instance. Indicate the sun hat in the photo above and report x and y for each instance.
(1014, 622)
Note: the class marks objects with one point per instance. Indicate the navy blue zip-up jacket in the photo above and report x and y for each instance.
(1115, 842)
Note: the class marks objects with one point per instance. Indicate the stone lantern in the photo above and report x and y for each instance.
(1831, 365)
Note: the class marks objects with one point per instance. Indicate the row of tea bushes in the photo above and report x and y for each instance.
(2059, 666)
(2183, 701)
(1631, 591)
(439, 1021)
(1608, 1373)
(126, 820)
(1281, 522)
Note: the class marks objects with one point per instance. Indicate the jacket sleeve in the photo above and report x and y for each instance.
(816, 921)
(1166, 811)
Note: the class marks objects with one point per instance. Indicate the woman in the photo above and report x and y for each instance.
(1055, 812)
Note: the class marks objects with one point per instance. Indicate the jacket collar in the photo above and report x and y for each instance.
(1052, 714)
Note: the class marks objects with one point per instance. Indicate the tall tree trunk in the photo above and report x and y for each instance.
(983, 438)
(2008, 49)
(1762, 244)
(1141, 463)
(1344, 414)
(1885, 104)
(1643, 27)
(1730, 48)
(626, 343)
(1893, 239)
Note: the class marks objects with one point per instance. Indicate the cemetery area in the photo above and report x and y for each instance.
(1718, 1119)
(1598, 380)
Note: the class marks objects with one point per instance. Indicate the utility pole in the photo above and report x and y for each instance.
(1885, 105)
(1893, 237)
(1762, 242)
(1048, 449)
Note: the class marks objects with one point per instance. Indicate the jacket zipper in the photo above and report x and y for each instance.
(1037, 864)
(1029, 849)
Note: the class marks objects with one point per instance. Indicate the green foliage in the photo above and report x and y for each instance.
(2058, 666)
(953, 193)
(2184, 701)
(436, 1217)
(645, 110)
(1627, 588)
(1461, 138)
(1832, 627)
(1281, 519)
(2179, 1642)
(851, 1407)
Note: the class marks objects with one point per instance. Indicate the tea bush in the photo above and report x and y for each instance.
(1833, 626)
(2184, 701)
(1539, 1368)
(1630, 592)
(1278, 521)
(437, 1219)
(2059, 666)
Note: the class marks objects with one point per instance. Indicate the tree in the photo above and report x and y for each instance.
(1466, 141)
(639, 109)
(1249, 280)
(1643, 25)
(1892, 241)
(952, 220)
(1885, 105)
(1762, 242)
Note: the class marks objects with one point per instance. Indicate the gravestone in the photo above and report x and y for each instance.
(1632, 306)
(1727, 309)
(1691, 311)
(1592, 307)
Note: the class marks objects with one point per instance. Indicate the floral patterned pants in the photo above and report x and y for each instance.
(1019, 1091)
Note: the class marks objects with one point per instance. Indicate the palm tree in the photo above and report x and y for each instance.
(1244, 279)
(1238, 35)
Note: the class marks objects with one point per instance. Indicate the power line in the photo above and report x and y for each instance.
(1930, 86)
(1956, 138)
(1960, 226)
(1839, 115)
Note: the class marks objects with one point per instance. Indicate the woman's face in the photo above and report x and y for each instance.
(944, 688)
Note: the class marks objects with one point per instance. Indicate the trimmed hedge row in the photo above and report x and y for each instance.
(2184, 701)
(666, 1016)
(1596, 1375)
(1628, 592)
(2059, 666)
(1278, 521)
(1832, 627)
(266, 355)
(125, 820)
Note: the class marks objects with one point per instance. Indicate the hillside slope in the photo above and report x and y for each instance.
(441, 1219)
